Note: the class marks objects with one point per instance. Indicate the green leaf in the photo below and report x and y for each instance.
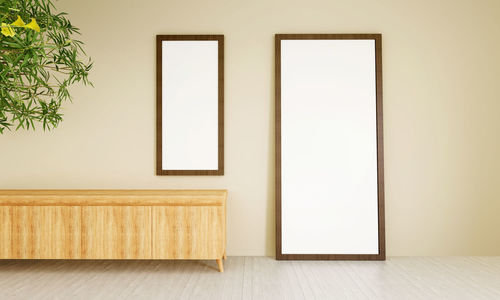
(38, 69)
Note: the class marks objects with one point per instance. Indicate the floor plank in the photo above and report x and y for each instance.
(253, 278)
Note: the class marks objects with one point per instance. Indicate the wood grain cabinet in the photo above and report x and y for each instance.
(39, 232)
(113, 224)
(192, 231)
(116, 232)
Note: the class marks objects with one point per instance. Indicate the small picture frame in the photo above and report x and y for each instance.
(190, 105)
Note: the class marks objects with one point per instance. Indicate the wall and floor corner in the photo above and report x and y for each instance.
(441, 104)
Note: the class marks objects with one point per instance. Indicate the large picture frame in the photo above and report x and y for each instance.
(329, 147)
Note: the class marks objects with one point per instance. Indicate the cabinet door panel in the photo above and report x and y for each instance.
(188, 232)
(40, 232)
(116, 232)
(5, 232)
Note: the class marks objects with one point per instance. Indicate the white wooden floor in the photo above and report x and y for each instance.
(254, 278)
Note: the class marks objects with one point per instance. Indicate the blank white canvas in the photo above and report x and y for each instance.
(190, 105)
(329, 147)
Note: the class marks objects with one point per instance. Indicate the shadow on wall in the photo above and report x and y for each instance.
(271, 184)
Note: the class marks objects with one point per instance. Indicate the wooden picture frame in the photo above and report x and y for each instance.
(381, 255)
(217, 147)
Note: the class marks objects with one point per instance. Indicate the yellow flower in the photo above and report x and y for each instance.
(19, 22)
(7, 30)
(33, 25)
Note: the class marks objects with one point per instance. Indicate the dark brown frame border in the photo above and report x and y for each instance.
(380, 144)
(159, 39)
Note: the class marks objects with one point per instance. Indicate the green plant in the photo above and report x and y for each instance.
(39, 60)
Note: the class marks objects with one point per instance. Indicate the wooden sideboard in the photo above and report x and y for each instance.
(113, 224)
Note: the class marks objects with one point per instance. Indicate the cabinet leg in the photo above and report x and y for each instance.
(224, 256)
(219, 263)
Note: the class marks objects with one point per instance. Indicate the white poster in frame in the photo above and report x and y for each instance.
(190, 105)
(329, 147)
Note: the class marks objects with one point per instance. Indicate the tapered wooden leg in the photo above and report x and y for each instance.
(221, 267)
(224, 256)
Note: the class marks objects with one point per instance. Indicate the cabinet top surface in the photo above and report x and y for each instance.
(114, 197)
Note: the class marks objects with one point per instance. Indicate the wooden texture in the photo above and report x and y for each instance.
(398, 278)
(380, 155)
(6, 232)
(220, 109)
(220, 265)
(116, 232)
(188, 232)
(40, 232)
(113, 197)
(112, 224)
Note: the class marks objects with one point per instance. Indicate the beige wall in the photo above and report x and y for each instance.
(441, 64)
